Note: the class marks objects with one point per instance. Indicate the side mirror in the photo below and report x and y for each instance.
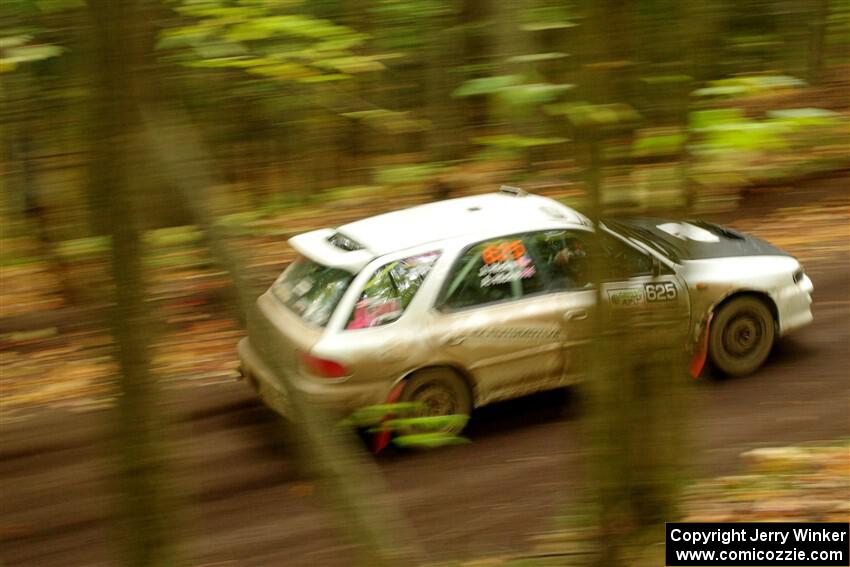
(656, 267)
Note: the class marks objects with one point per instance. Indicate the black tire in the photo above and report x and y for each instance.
(442, 391)
(742, 335)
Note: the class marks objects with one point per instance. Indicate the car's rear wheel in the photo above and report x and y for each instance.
(742, 335)
(440, 392)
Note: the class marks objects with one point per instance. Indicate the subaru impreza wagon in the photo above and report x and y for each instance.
(460, 303)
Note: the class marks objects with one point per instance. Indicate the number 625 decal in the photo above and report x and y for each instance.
(660, 292)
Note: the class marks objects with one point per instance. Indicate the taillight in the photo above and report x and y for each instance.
(322, 367)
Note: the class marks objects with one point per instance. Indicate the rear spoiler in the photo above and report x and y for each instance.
(316, 246)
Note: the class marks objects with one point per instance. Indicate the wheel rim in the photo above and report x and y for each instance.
(742, 336)
(437, 400)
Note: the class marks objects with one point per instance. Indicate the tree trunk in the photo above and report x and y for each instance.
(444, 144)
(358, 500)
(146, 526)
(636, 360)
(817, 41)
(476, 46)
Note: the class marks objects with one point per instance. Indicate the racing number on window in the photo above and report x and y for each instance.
(503, 251)
(660, 292)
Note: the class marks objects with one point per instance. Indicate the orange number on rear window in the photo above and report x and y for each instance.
(503, 251)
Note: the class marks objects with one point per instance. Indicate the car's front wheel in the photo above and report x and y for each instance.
(742, 335)
(439, 392)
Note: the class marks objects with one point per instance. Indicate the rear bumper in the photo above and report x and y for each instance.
(261, 379)
(342, 398)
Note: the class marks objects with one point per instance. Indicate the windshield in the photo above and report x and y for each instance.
(311, 290)
(645, 236)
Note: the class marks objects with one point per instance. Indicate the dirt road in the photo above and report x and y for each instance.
(247, 506)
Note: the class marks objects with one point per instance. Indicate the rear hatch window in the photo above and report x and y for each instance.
(311, 290)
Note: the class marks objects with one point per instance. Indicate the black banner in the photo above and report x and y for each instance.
(756, 543)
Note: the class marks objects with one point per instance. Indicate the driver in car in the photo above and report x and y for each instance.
(571, 261)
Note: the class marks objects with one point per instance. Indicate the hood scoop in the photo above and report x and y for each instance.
(688, 231)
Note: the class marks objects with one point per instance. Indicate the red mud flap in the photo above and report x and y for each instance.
(381, 439)
(701, 353)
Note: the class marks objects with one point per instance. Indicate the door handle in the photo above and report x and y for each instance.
(575, 315)
(453, 340)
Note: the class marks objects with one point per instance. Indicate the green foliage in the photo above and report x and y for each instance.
(806, 117)
(549, 17)
(17, 51)
(237, 223)
(531, 95)
(501, 146)
(408, 25)
(350, 193)
(50, 6)
(510, 142)
(748, 85)
(264, 39)
(173, 236)
(371, 416)
(487, 85)
(303, 102)
(703, 119)
(670, 79)
(392, 121)
(24, 38)
(411, 432)
(429, 440)
(730, 148)
(513, 95)
(537, 57)
(601, 116)
(9, 261)
(729, 129)
(412, 173)
(80, 248)
(436, 422)
(658, 145)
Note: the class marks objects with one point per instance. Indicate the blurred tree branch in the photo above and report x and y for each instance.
(358, 499)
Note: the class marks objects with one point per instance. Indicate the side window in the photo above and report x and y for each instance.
(566, 255)
(390, 290)
(491, 271)
(624, 261)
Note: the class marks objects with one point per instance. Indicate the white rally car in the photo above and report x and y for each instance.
(459, 303)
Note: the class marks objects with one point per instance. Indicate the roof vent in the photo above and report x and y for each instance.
(343, 242)
(724, 231)
(514, 191)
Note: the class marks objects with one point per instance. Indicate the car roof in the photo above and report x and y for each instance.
(510, 210)
(452, 218)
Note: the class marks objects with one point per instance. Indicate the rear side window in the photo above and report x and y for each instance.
(312, 290)
(492, 271)
(390, 290)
